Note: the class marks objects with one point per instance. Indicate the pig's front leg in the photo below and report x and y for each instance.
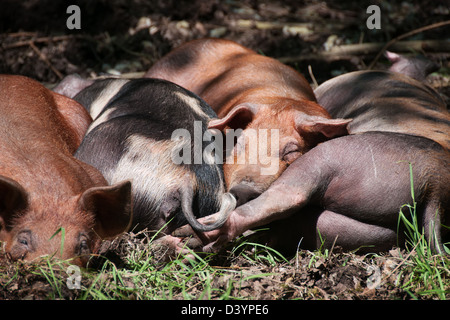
(286, 196)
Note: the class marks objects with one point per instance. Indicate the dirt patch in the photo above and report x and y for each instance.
(244, 274)
(240, 271)
(126, 37)
(340, 275)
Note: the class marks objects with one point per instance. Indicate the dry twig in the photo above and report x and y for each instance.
(37, 40)
(406, 35)
(361, 49)
(44, 58)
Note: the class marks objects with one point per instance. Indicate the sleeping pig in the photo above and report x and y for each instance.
(349, 191)
(152, 132)
(51, 204)
(258, 96)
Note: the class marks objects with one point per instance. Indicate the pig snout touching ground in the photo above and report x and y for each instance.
(154, 133)
(266, 109)
(356, 185)
(386, 101)
(51, 203)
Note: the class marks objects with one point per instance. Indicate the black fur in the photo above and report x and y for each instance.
(150, 109)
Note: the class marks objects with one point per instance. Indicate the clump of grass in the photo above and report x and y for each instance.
(258, 253)
(426, 274)
(142, 274)
(145, 277)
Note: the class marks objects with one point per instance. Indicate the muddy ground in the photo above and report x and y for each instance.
(127, 37)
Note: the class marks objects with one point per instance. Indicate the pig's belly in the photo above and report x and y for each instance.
(374, 198)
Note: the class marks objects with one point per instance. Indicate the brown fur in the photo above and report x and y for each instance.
(248, 90)
(43, 187)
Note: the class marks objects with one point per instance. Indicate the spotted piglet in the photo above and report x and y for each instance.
(154, 133)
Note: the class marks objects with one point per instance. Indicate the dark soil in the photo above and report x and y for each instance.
(127, 37)
(335, 275)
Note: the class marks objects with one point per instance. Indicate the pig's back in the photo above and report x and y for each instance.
(220, 70)
(384, 101)
(29, 110)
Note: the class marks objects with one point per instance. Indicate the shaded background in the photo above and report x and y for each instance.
(128, 36)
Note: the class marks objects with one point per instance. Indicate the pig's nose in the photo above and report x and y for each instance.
(244, 193)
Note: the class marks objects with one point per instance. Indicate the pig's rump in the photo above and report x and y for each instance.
(356, 186)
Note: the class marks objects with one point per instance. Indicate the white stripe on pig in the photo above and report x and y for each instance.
(106, 94)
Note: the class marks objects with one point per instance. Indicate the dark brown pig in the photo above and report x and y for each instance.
(45, 191)
(258, 97)
(357, 185)
(417, 67)
(386, 101)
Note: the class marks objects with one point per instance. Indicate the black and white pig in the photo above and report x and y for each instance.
(133, 137)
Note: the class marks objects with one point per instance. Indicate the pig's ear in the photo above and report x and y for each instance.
(392, 56)
(238, 118)
(111, 206)
(71, 85)
(13, 197)
(330, 128)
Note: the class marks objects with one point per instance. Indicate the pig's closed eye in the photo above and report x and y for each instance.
(83, 245)
(22, 245)
(24, 238)
(291, 152)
